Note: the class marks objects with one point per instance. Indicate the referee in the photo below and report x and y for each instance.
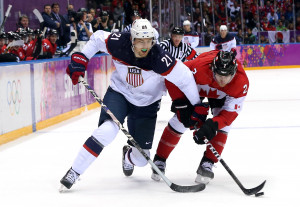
(177, 48)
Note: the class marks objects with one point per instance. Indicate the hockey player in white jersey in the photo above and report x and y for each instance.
(190, 37)
(224, 41)
(135, 92)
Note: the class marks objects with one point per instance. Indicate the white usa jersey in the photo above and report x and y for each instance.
(226, 44)
(141, 80)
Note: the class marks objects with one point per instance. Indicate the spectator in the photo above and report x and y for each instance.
(89, 17)
(239, 37)
(298, 38)
(298, 23)
(249, 37)
(233, 27)
(23, 22)
(156, 34)
(289, 14)
(198, 25)
(49, 21)
(144, 11)
(100, 23)
(284, 21)
(63, 30)
(83, 28)
(234, 11)
(267, 8)
(135, 15)
(280, 26)
(190, 37)
(265, 23)
(257, 29)
(197, 13)
(272, 17)
(264, 40)
(208, 36)
(249, 18)
(118, 11)
(69, 17)
(93, 12)
(128, 11)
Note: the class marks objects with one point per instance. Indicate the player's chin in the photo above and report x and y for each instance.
(222, 84)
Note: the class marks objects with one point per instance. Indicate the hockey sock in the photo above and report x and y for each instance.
(168, 142)
(93, 146)
(218, 142)
(87, 154)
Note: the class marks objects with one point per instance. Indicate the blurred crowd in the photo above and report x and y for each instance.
(247, 19)
(64, 28)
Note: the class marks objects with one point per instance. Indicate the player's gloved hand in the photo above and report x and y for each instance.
(199, 115)
(183, 109)
(77, 67)
(219, 47)
(208, 130)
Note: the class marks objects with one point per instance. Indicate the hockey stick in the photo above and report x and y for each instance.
(39, 16)
(5, 17)
(173, 186)
(247, 191)
(38, 48)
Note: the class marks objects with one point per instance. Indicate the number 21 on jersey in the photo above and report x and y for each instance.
(166, 59)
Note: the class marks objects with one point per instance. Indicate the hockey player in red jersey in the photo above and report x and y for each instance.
(49, 43)
(222, 79)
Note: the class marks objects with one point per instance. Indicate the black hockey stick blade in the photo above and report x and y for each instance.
(187, 189)
(255, 190)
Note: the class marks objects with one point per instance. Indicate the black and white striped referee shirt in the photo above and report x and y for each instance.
(183, 52)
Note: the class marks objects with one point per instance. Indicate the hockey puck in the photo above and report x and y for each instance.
(259, 194)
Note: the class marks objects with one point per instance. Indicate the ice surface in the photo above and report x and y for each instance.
(263, 144)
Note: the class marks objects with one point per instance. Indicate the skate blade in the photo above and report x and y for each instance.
(62, 189)
(155, 177)
(202, 179)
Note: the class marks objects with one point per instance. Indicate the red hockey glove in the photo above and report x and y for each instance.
(183, 109)
(77, 67)
(199, 115)
(208, 130)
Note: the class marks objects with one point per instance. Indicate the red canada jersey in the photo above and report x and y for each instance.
(30, 48)
(48, 46)
(20, 53)
(234, 92)
(3, 49)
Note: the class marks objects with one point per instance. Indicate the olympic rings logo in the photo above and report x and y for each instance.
(14, 96)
